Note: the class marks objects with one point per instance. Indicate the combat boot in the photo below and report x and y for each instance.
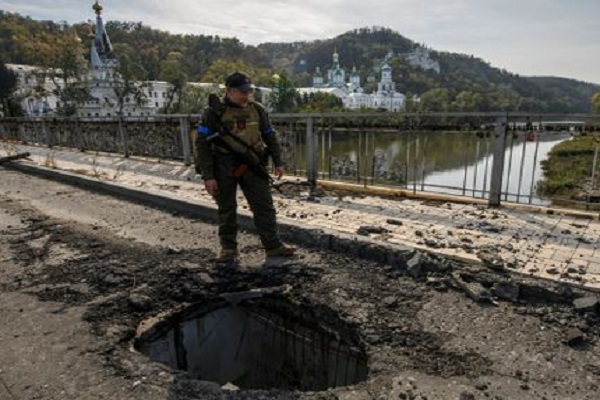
(226, 255)
(282, 251)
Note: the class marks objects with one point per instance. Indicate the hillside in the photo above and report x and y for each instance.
(464, 83)
(471, 83)
(21, 37)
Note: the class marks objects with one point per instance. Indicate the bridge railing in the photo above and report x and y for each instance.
(492, 156)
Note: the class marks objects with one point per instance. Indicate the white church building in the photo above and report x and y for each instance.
(351, 92)
(35, 89)
(39, 98)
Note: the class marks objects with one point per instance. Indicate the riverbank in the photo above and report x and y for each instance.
(568, 171)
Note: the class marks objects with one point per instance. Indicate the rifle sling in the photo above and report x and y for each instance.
(258, 168)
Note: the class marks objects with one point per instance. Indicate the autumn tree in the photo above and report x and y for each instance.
(596, 103)
(61, 60)
(172, 71)
(221, 68)
(194, 98)
(321, 102)
(128, 86)
(284, 96)
(8, 85)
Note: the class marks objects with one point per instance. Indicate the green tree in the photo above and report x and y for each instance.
(501, 100)
(194, 99)
(63, 63)
(8, 86)
(203, 58)
(284, 96)
(596, 103)
(410, 104)
(127, 86)
(222, 68)
(171, 70)
(435, 100)
(321, 102)
(467, 101)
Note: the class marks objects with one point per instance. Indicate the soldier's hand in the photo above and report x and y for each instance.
(279, 171)
(211, 187)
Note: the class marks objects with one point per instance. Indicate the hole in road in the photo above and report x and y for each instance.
(258, 344)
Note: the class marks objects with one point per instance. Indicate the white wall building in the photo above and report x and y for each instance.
(39, 91)
(36, 90)
(104, 78)
(386, 96)
(351, 92)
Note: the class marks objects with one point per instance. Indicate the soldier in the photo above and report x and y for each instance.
(223, 169)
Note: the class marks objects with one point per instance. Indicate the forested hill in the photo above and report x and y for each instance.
(464, 83)
(22, 38)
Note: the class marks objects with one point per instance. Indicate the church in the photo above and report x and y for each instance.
(350, 91)
(104, 78)
(103, 83)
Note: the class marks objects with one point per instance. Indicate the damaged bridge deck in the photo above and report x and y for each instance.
(537, 242)
(80, 271)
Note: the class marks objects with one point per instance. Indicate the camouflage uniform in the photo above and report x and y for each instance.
(251, 124)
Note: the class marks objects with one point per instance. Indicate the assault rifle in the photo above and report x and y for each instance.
(248, 156)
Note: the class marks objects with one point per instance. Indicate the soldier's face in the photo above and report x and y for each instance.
(239, 97)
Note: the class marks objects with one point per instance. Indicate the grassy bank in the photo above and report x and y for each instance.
(568, 169)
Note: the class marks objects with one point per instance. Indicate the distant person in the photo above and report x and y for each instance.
(234, 141)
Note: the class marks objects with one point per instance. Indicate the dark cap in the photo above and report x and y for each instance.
(239, 81)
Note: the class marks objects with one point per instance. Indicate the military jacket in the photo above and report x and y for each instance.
(251, 124)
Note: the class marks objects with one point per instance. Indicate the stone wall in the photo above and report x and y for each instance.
(156, 137)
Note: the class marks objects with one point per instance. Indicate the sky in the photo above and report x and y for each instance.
(528, 37)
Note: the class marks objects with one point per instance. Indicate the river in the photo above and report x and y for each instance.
(454, 163)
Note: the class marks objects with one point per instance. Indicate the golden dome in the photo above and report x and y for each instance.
(97, 7)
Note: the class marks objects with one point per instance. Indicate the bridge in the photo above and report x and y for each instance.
(558, 245)
(433, 294)
(493, 156)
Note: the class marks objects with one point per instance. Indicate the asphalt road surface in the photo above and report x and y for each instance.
(79, 271)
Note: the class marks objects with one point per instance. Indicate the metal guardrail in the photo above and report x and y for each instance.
(493, 156)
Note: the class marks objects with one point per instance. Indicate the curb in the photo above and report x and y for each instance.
(358, 246)
(393, 255)
(418, 195)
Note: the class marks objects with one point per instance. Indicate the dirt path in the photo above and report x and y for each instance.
(79, 271)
